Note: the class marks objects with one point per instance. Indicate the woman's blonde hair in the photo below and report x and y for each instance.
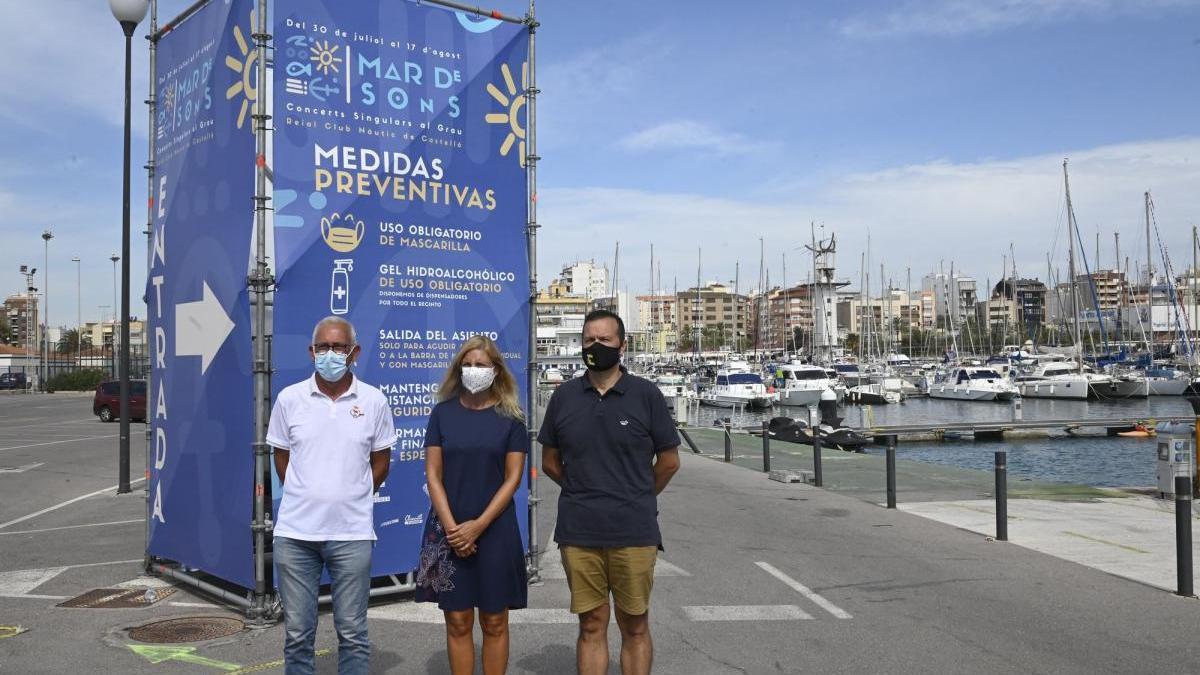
(504, 387)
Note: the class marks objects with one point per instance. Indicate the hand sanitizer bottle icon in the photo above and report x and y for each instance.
(339, 290)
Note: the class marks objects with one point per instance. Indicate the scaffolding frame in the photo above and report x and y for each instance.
(260, 604)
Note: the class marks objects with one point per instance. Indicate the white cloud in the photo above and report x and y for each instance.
(691, 135)
(961, 17)
(918, 216)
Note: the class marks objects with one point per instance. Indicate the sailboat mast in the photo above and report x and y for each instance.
(653, 297)
(1149, 276)
(788, 330)
(908, 313)
(760, 320)
(1071, 270)
(737, 305)
(699, 313)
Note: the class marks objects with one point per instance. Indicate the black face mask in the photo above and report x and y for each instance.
(600, 356)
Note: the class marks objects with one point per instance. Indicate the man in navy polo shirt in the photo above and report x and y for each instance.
(609, 441)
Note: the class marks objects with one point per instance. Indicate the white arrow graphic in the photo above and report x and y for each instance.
(201, 328)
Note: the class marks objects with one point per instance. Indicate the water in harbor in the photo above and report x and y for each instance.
(1093, 459)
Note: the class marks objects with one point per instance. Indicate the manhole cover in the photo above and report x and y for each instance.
(118, 598)
(189, 629)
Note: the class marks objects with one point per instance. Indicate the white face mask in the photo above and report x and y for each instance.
(477, 378)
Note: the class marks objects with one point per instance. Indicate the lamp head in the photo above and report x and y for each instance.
(75, 259)
(128, 11)
(47, 235)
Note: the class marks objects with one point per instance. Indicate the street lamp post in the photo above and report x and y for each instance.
(30, 317)
(115, 305)
(128, 13)
(78, 313)
(44, 347)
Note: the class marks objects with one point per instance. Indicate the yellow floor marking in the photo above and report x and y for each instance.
(1105, 541)
(269, 665)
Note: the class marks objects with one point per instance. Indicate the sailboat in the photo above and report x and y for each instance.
(1052, 381)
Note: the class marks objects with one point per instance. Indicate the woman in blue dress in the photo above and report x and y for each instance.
(471, 553)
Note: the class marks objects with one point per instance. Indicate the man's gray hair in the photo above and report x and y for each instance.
(335, 321)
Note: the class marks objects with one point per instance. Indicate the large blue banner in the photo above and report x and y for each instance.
(201, 467)
(400, 196)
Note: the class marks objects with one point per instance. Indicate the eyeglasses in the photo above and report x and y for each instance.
(335, 347)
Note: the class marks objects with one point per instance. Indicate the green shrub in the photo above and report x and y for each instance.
(78, 380)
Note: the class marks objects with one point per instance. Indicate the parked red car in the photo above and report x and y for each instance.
(107, 404)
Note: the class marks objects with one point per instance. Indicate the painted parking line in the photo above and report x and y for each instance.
(745, 613)
(74, 527)
(800, 588)
(20, 469)
(428, 613)
(60, 505)
(69, 440)
(19, 583)
(42, 423)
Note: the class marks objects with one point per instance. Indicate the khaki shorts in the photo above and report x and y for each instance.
(627, 572)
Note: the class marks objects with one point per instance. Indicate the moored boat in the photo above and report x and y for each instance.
(973, 383)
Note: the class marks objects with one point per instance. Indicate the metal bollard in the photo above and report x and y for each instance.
(891, 471)
(1001, 495)
(766, 448)
(728, 444)
(817, 480)
(1183, 535)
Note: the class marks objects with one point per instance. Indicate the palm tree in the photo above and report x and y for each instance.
(69, 343)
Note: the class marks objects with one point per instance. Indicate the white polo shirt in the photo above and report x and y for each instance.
(327, 491)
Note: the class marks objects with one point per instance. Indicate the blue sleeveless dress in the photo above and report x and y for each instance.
(474, 446)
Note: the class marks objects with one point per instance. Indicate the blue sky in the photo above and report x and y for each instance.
(937, 126)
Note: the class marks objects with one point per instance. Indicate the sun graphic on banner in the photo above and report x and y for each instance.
(512, 114)
(169, 99)
(326, 57)
(245, 68)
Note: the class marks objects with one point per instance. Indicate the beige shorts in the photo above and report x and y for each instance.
(593, 573)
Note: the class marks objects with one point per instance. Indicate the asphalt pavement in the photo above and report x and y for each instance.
(757, 577)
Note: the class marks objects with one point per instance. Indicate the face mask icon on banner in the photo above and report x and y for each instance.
(342, 234)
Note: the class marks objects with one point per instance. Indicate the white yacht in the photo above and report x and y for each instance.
(673, 386)
(1167, 381)
(801, 384)
(737, 388)
(872, 394)
(973, 383)
(1058, 379)
(851, 375)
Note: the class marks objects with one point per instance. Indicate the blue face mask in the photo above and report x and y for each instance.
(331, 366)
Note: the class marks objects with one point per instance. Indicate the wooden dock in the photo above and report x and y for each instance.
(992, 430)
(995, 430)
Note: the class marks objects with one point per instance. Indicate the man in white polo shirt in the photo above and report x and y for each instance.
(333, 436)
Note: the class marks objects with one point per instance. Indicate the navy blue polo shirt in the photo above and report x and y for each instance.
(607, 445)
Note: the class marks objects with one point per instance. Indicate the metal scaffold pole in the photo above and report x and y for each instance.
(260, 281)
(531, 228)
(152, 108)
